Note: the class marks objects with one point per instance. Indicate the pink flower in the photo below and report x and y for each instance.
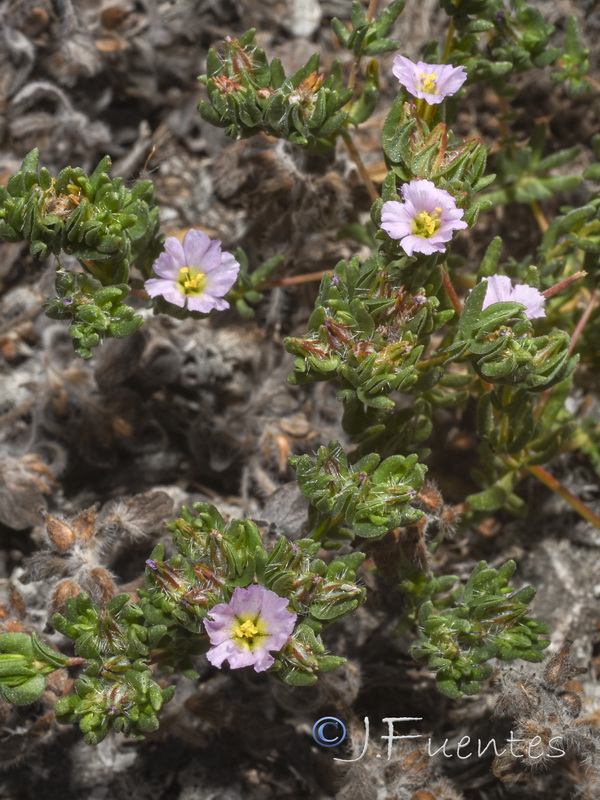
(425, 220)
(501, 290)
(243, 631)
(195, 273)
(429, 82)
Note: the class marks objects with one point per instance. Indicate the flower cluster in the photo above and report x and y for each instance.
(194, 274)
(425, 220)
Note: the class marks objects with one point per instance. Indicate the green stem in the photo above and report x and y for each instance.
(539, 215)
(448, 45)
(371, 10)
(95, 270)
(431, 362)
(326, 526)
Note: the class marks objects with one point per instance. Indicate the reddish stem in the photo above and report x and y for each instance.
(294, 279)
(558, 287)
(454, 298)
(583, 320)
(552, 483)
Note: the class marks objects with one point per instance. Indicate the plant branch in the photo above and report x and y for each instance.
(448, 44)
(448, 286)
(360, 166)
(539, 215)
(556, 486)
(294, 279)
(583, 320)
(371, 11)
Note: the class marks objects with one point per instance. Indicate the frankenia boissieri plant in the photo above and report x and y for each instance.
(426, 219)
(195, 274)
(500, 290)
(429, 82)
(382, 328)
(243, 631)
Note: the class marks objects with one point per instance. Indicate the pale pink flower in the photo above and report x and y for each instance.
(425, 220)
(243, 631)
(194, 273)
(500, 290)
(429, 82)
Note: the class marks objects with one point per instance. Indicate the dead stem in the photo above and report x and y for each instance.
(454, 298)
(556, 486)
(362, 170)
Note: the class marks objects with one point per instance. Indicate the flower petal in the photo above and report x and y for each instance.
(165, 267)
(446, 79)
(450, 79)
(262, 659)
(396, 219)
(220, 280)
(247, 601)
(229, 651)
(201, 252)
(531, 299)
(407, 73)
(417, 244)
(205, 303)
(159, 287)
(499, 290)
(174, 250)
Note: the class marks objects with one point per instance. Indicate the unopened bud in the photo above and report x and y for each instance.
(63, 591)
(104, 582)
(84, 524)
(60, 534)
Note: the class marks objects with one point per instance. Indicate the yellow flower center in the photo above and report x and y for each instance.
(191, 282)
(429, 82)
(426, 224)
(247, 629)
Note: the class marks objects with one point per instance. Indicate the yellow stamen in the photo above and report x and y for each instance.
(247, 629)
(426, 224)
(191, 281)
(429, 82)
